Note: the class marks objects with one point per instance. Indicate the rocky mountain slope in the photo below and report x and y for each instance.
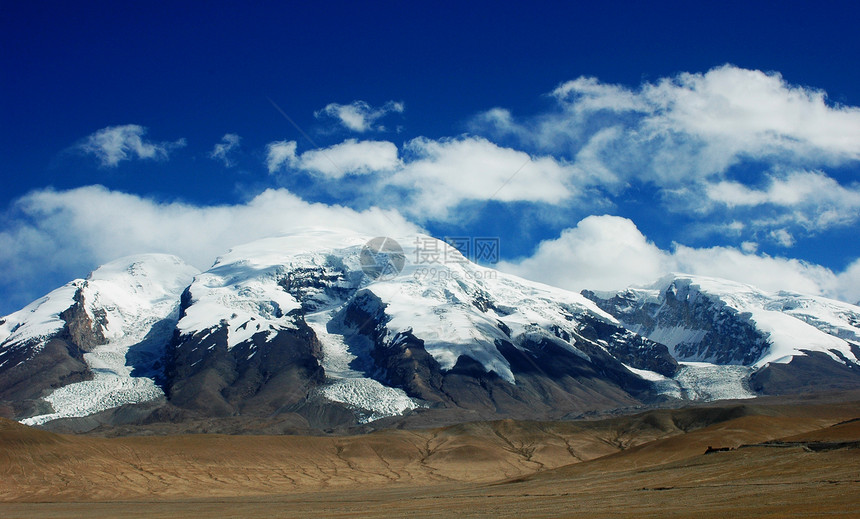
(787, 341)
(299, 324)
(93, 344)
(324, 329)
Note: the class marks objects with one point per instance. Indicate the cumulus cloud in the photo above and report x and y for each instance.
(221, 150)
(782, 237)
(727, 145)
(50, 237)
(590, 94)
(441, 174)
(749, 247)
(115, 144)
(350, 157)
(760, 270)
(726, 113)
(430, 178)
(610, 253)
(600, 253)
(847, 286)
(728, 135)
(750, 111)
(359, 116)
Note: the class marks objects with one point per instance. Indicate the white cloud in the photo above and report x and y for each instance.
(600, 253)
(686, 135)
(610, 253)
(280, 154)
(749, 247)
(441, 174)
(589, 94)
(50, 237)
(847, 285)
(814, 200)
(750, 111)
(760, 270)
(359, 116)
(435, 176)
(694, 125)
(114, 144)
(223, 148)
(350, 157)
(782, 237)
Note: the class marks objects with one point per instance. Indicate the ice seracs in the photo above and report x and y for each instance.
(370, 399)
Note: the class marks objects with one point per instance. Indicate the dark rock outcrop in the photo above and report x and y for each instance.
(727, 336)
(263, 376)
(551, 380)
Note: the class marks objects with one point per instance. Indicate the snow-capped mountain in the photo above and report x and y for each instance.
(94, 343)
(330, 328)
(295, 322)
(721, 322)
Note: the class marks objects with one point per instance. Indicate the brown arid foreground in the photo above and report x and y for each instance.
(768, 460)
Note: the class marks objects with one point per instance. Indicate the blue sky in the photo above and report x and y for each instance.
(604, 145)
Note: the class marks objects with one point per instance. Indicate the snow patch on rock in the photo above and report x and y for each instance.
(139, 296)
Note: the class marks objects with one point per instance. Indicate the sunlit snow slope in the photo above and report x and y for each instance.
(301, 324)
(454, 307)
(131, 305)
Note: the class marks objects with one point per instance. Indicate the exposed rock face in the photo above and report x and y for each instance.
(293, 328)
(92, 344)
(283, 326)
(814, 372)
(792, 342)
(33, 374)
(263, 375)
(32, 367)
(550, 379)
(717, 332)
(84, 331)
(630, 348)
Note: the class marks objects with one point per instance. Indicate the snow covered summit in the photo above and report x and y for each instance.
(722, 322)
(393, 343)
(92, 344)
(323, 328)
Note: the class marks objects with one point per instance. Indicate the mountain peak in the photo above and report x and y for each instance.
(337, 328)
(688, 313)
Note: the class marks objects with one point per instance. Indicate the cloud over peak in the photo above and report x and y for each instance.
(611, 253)
(50, 237)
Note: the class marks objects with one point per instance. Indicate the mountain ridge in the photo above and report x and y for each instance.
(302, 326)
